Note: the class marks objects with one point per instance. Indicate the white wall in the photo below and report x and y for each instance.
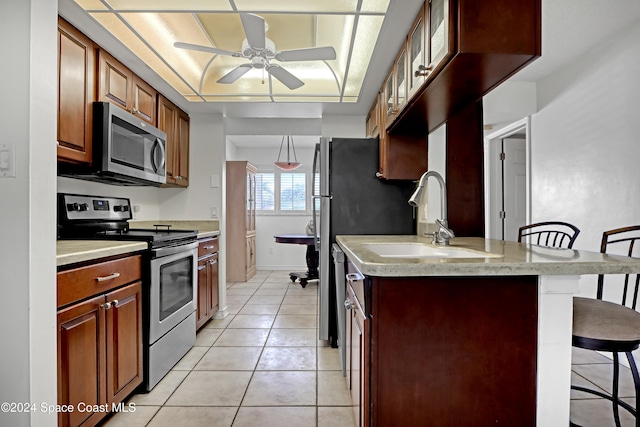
(27, 217)
(585, 146)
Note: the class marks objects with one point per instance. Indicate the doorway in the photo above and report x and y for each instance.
(508, 180)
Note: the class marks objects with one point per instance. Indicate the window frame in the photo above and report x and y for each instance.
(267, 169)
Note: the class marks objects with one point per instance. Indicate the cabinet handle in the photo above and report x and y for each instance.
(348, 305)
(106, 305)
(114, 303)
(201, 267)
(354, 277)
(213, 261)
(134, 111)
(209, 247)
(423, 71)
(109, 277)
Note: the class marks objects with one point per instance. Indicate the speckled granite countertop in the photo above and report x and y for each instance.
(503, 259)
(73, 251)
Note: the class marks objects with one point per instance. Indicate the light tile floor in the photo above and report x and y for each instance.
(595, 371)
(261, 365)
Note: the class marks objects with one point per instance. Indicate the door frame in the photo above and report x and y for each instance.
(490, 167)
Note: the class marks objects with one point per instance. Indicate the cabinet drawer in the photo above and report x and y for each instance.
(80, 283)
(207, 246)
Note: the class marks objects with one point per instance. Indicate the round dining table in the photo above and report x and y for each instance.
(312, 256)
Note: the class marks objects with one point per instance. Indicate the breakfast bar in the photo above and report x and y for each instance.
(475, 333)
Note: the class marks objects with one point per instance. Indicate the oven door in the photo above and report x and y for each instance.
(173, 288)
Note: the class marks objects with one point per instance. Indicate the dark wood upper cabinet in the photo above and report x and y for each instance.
(76, 94)
(175, 123)
(120, 86)
(470, 47)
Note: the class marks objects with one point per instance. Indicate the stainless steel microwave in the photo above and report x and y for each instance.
(126, 150)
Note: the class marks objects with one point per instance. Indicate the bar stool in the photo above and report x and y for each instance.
(554, 234)
(606, 326)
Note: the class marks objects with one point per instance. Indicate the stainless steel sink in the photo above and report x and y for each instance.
(419, 250)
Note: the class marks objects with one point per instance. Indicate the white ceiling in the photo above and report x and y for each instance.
(569, 29)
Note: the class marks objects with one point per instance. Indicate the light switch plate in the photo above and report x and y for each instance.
(7, 161)
(215, 181)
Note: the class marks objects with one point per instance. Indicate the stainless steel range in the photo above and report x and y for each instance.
(169, 283)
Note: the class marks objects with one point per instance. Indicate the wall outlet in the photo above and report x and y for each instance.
(215, 181)
(214, 211)
(7, 161)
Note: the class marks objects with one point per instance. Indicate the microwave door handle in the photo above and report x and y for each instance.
(158, 143)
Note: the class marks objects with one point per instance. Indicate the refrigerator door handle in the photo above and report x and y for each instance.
(316, 238)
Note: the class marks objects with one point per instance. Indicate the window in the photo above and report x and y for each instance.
(280, 192)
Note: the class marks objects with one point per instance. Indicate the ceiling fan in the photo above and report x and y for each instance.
(260, 50)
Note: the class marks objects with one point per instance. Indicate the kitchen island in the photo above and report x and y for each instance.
(475, 333)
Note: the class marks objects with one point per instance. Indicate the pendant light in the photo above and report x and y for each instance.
(288, 165)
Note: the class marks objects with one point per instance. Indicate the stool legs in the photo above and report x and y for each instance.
(614, 397)
(636, 384)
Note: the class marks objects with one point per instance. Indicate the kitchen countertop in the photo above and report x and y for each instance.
(507, 259)
(73, 251)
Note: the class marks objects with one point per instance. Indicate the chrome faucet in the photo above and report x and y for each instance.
(444, 234)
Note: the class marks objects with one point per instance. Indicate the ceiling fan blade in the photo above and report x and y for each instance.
(254, 29)
(309, 54)
(235, 74)
(285, 77)
(207, 49)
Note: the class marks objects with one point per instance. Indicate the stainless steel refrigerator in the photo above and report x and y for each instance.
(351, 199)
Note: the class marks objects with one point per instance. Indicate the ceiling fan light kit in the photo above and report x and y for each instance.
(260, 50)
(288, 165)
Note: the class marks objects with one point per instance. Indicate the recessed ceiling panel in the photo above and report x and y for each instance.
(168, 5)
(296, 6)
(212, 43)
(142, 50)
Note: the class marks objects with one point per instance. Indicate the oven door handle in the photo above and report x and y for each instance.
(170, 250)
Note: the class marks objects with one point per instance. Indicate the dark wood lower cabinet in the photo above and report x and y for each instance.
(207, 305)
(99, 350)
(443, 351)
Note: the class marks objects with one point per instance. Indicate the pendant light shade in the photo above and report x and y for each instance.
(288, 165)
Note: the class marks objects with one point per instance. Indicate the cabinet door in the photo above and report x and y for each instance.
(354, 361)
(212, 282)
(250, 256)
(373, 130)
(203, 297)
(251, 203)
(81, 360)
(143, 100)
(389, 99)
(182, 153)
(400, 68)
(416, 66)
(438, 34)
(76, 93)
(115, 81)
(124, 341)
(167, 122)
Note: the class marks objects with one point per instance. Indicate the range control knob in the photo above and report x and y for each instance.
(73, 207)
(83, 207)
(121, 208)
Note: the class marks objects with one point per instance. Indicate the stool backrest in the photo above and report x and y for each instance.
(554, 234)
(622, 241)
